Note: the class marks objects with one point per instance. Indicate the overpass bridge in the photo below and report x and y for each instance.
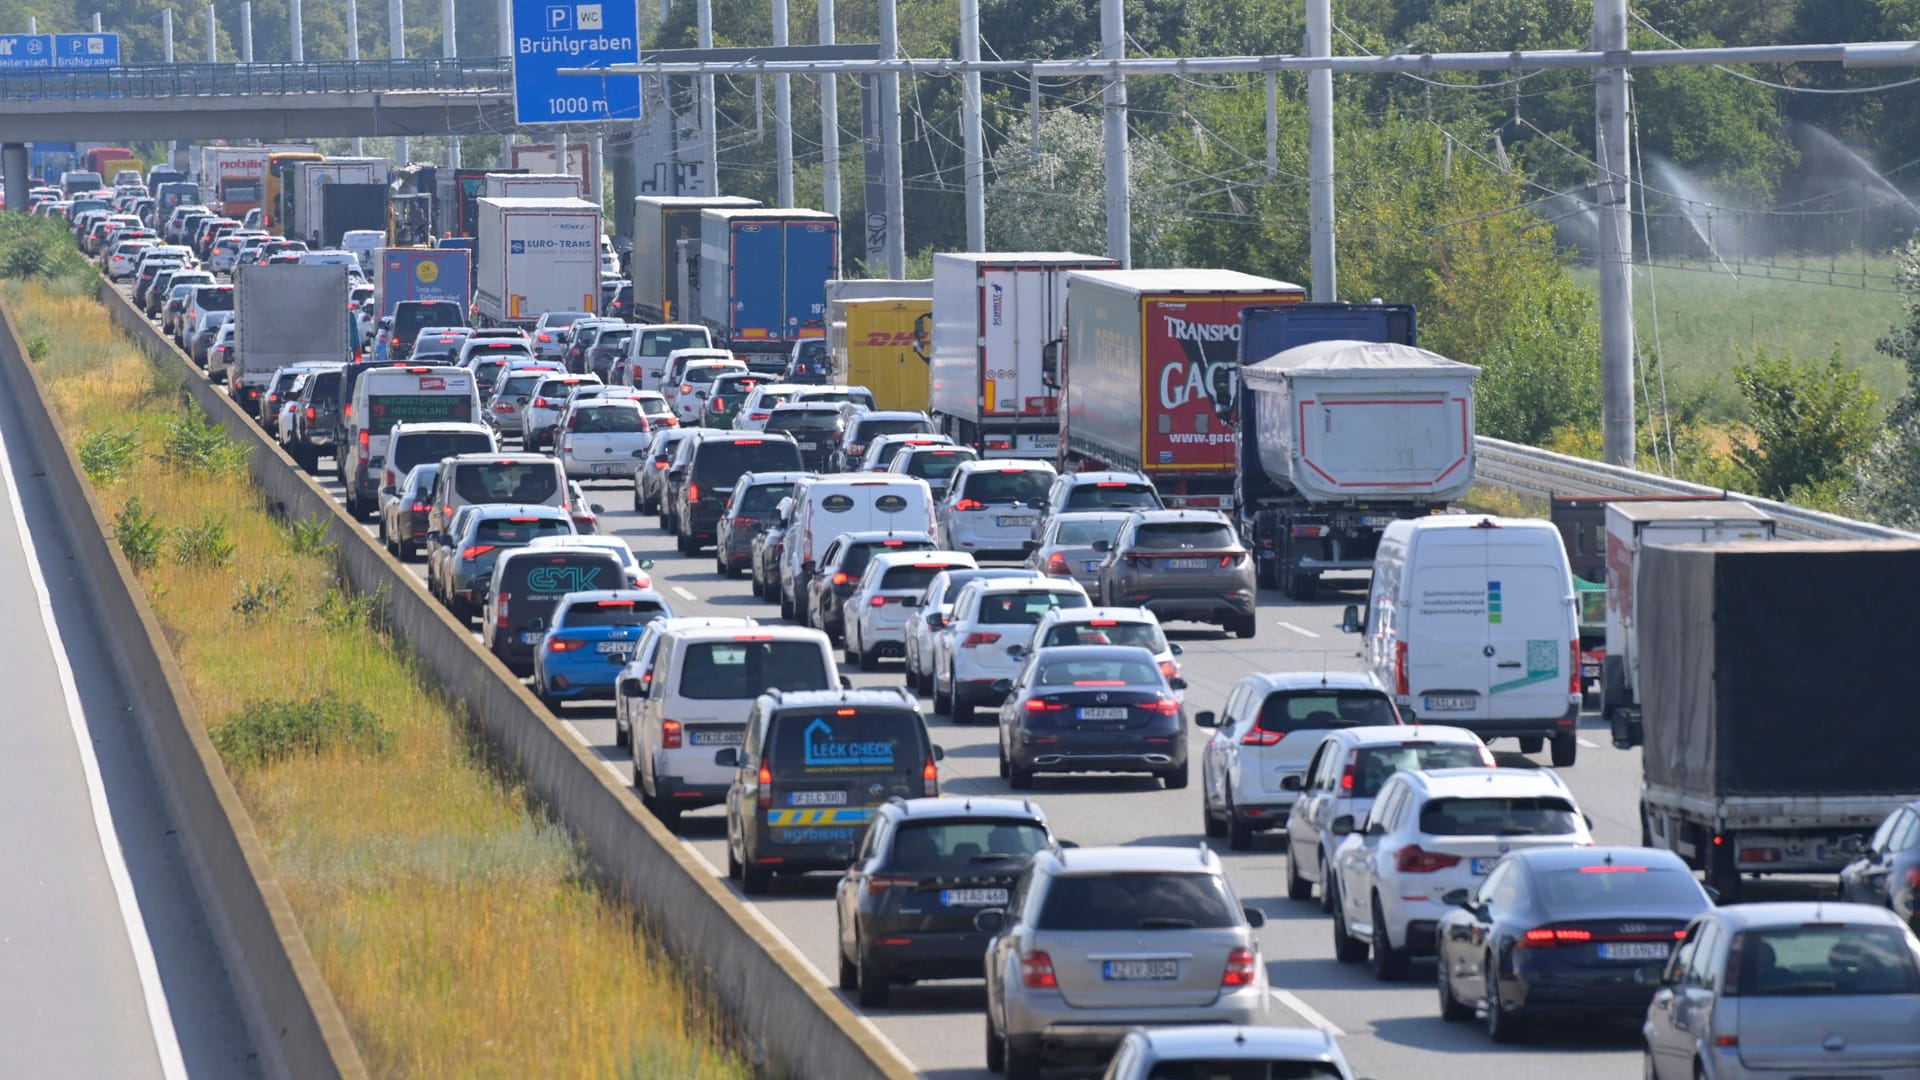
(269, 102)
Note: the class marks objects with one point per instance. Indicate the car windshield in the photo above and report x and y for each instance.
(612, 613)
(1617, 885)
(1239, 1068)
(735, 670)
(1087, 533)
(1288, 711)
(723, 461)
(1007, 486)
(1184, 535)
(1097, 671)
(503, 532)
(1514, 816)
(1374, 764)
(933, 847)
(425, 446)
(1142, 901)
(663, 342)
(1819, 959)
(764, 497)
(488, 482)
(803, 420)
(1110, 632)
(609, 418)
(1112, 493)
(936, 464)
(1026, 607)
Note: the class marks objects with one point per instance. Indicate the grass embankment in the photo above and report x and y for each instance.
(454, 923)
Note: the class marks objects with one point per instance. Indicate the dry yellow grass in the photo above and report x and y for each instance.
(451, 921)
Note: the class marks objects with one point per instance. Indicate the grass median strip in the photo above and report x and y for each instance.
(457, 926)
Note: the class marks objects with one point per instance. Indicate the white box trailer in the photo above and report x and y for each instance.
(311, 179)
(532, 256)
(531, 186)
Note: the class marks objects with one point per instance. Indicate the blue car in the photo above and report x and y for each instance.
(592, 638)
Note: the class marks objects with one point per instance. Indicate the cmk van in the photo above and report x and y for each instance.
(1471, 622)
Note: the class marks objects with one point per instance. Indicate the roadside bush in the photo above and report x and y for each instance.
(307, 536)
(267, 731)
(200, 447)
(107, 455)
(342, 610)
(260, 597)
(204, 543)
(139, 534)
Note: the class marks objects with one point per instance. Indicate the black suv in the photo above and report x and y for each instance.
(714, 465)
(905, 907)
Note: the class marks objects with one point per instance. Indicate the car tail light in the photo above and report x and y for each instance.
(1232, 559)
(718, 403)
(979, 638)
(693, 492)
(1043, 705)
(1057, 564)
(766, 787)
(544, 336)
(670, 734)
(878, 884)
(1913, 877)
(930, 778)
(660, 463)
(565, 644)
(366, 439)
(1548, 936)
(1036, 971)
(1346, 774)
(500, 611)
(539, 403)
(310, 412)
(419, 508)
(1400, 679)
(1413, 859)
(1169, 668)
(969, 504)
(743, 523)
(1259, 736)
(1165, 706)
(1573, 673)
(567, 447)
(878, 601)
(758, 415)
(1241, 968)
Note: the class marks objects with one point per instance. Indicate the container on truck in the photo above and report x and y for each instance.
(234, 177)
(994, 314)
(874, 343)
(533, 256)
(311, 178)
(105, 159)
(286, 314)
(527, 185)
(419, 274)
(461, 243)
(890, 288)
(346, 207)
(1774, 678)
(47, 160)
(660, 222)
(763, 279)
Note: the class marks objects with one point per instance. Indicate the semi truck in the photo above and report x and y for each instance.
(307, 209)
(286, 314)
(874, 341)
(1773, 676)
(1344, 428)
(410, 273)
(346, 208)
(994, 314)
(234, 177)
(526, 185)
(763, 279)
(660, 222)
(534, 256)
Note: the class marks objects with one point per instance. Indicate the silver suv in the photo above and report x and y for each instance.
(1181, 564)
(1098, 940)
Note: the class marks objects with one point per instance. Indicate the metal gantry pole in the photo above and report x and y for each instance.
(449, 49)
(503, 16)
(1610, 125)
(974, 169)
(829, 124)
(96, 22)
(166, 51)
(1113, 46)
(397, 50)
(709, 115)
(297, 31)
(213, 36)
(353, 54)
(246, 31)
(890, 144)
(1320, 152)
(782, 114)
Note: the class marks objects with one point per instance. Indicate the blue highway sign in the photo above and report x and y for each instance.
(549, 36)
(86, 50)
(26, 51)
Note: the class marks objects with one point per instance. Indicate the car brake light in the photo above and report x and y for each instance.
(766, 787)
(1169, 668)
(564, 644)
(366, 439)
(1547, 936)
(544, 336)
(743, 523)
(878, 601)
(1042, 705)
(1573, 671)
(310, 413)
(930, 778)
(693, 492)
(758, 415)
(880, 883)
(419, 508)
(1413, 859)
(969, 504)
(539, 403)
(1241, 968)
(1346, 774)
(1057, 564)
(840, 578)
(477, 550)
(670, 734)
(718, 403)
(1259, 736)
(1036, 971)
(1400, 679)
(979, 638)
(501, 611)
(1165, 706)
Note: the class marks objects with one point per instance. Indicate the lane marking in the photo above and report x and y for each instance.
(1585, 743)
(1304, 1011)
(166, 1041)
(1301, 630)
(685, 593)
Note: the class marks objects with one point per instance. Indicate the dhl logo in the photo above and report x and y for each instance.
(823, 815)
(880, 339)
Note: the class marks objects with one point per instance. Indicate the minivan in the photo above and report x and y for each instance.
(650, 346)
(1472, 621)
(528, 584)
(415, 394)
(836, 504)
(411, 444)
(714, 465)
(410, 316)
(812, 768)
(527, 479)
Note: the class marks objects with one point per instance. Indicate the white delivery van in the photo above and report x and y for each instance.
(383, 397)
(1471, 622)
(838, 503)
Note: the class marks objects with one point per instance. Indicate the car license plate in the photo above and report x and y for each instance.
(1634, 950)
(1013, 520)
(607, 469)
(716, 738)
(1093, 566)
(1141, 970)
(1105, 712)
(1589, 671)
(809, 446)
(1187, 564)
(1378, 519)
(816, 798)
(1444, 704)
(621, 647)
(1481, 866)
(531, 637)
(973, 897)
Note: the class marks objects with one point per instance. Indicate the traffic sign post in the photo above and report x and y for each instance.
(549, 36)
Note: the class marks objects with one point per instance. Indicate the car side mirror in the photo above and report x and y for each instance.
(1177, 683)
(1342, 825)
(390, 491)
(990, 921)
(436, 538)
(1350, 620)
(1455, 898)
(632, 688)
(1291, 783)
(728, 758)
(846, 683)
(1050, 364)
(1176, 649)
(1103, 546)
(936, 620)
(939, 754)
(1375, 828)
(1206, 718)
(1713, 894)
(1255, 917)
(596, 508)
(1853, 845)
(1016, 651)
(1002, 686)
(1627, 727)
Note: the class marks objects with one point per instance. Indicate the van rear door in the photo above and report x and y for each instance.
(1532, 640)
(832, 766)
(1444, 627)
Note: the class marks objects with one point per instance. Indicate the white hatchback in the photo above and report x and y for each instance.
(990, 507)
(886, 601)
(603, 438)
(986, 637)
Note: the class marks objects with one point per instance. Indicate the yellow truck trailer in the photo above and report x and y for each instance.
(872, 339)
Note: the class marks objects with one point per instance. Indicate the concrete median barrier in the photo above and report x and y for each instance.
(799, 1027)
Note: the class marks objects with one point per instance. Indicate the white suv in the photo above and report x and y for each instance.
(886, 600)
(1265, 733)
(1428, 834)
(1345, 773)
(990, 507)
(987, 634)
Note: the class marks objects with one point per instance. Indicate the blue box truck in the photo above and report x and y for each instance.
(763, 279)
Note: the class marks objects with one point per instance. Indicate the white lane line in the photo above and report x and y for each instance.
(1585, 743)
(1301, 630)
(685, 593)
(166, 1042)
(1306, 1012)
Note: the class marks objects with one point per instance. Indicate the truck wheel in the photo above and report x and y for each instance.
(1723, 875)
(1566, 747)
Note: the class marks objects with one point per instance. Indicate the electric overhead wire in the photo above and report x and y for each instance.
(1789, 88)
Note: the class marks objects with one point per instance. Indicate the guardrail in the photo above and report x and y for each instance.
(1533, 471)
(487, 74)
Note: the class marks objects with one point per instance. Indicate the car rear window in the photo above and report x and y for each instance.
(423, 481)
(1008, 485)
(663, 342)
(1288, 711)
(539, 577)
(1143, 901)
(1112, 493)
(614, 613)
(411, 316)
(803, 745)
(551, 388)
(803, 420)
(1026, 607)
(1821, 959)
(519, 385)
(1097, 671)
(915, 576)
(214, 299)
(1184, 535)
(1619, 885)
(931, 847)
(429, 446)
(873, 429)
(487, 482)
(1516, 816)
(610, 419)
(854, 562)
(937, 464)
(732, 670)
(502, 532)
(764, 497)
(1374, 764)
(1110, 632)
(324, 389)
(769, 398)
(1087, 533)
(613, 339)
(723, 461)
(1242, 1069)
(837, 396)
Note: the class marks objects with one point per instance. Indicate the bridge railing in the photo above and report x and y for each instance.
(488, 74)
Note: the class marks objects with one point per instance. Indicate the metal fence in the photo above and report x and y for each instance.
(485, 75)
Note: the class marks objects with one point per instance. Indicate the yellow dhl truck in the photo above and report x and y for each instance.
(872, 340)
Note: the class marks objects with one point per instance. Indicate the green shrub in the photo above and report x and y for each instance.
(308, 536)
(260, 597)
(342, 610)
(265, 731)
(198, 446)
(106, 455)
(204, 543)
(139, 534)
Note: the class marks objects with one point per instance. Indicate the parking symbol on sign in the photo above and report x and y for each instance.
(587, 17)
(559, 17)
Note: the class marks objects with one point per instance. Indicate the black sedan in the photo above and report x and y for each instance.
(1092, 708)
(1563, 930)
(1886, 872)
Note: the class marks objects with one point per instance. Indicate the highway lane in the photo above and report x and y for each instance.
(107, 964)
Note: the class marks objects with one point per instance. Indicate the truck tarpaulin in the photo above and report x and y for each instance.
(1780, 668)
